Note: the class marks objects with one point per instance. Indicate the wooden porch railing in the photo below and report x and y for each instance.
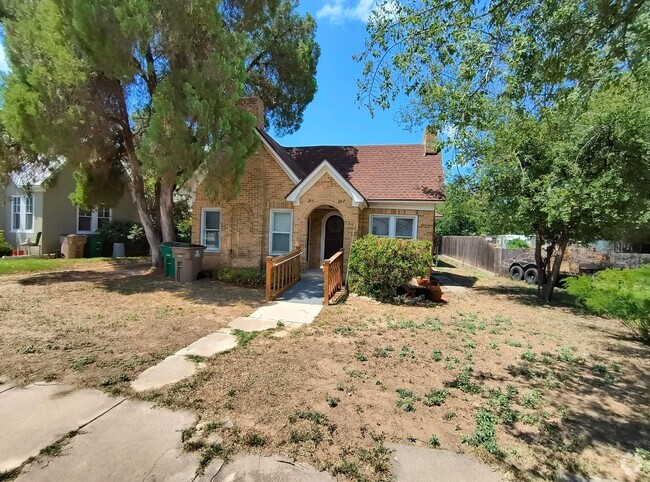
(333, 274)
(282, 272)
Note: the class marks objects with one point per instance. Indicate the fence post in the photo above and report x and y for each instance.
(326, 282)
(269, 276)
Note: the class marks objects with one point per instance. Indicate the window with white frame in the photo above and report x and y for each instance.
(22, 213)
(16, 214)
(91, 220)
(404, 227)
(211, 229)
(280, 231)
(29, 213)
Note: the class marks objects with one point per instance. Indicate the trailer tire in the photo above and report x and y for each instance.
(516, 272)
(530, 276)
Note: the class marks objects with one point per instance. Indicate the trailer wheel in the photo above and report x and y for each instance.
(530, 276)
(516, 272)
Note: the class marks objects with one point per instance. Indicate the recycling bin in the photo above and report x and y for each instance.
(93, 247)
(169, 265)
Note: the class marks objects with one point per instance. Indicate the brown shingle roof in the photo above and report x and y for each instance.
(379, 173)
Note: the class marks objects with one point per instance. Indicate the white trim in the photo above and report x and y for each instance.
(278, 253)
(322, 232)
(392, 224)
(219, 230)
(325, 168)
(278, 159)
(94, 221)
(411, 205)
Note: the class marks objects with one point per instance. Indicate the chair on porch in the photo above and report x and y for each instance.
(29, 245)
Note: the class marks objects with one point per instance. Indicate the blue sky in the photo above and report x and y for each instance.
(334, 117)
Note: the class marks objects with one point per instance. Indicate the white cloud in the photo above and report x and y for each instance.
(338, 11)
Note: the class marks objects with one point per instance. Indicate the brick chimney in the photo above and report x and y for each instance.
(254, 106)
(430, 141)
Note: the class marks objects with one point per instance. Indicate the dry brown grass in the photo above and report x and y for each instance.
(593, 383)
(100, 324)
(585, 424)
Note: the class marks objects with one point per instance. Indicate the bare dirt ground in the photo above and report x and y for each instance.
(100, 324)
(535, 390)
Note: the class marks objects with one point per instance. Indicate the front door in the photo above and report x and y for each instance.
(332, 236)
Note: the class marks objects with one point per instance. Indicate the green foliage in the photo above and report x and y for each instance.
(110, 88)
(434, 442)
(407, 399)
(525, 53)
(382, 267)
(436, 355)
(517, 244)
(435, 397)
(623, 294)
(461, 212)
(244, 338)
(485, 434)
(464, 381)
(5, 248)
(249, 277)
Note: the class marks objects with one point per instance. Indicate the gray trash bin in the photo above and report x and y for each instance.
(189, 261)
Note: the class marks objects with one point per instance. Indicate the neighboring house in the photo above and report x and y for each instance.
(320, 198)
(36, 202)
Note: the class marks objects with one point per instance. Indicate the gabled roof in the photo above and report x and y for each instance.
(400, 172)
(325, 168)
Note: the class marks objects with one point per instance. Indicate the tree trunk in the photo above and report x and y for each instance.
(167, 210)
(156, 207)
(549, 285)
(137, 180)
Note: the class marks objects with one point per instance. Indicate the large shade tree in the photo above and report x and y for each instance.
(513, 82)
(144, 92)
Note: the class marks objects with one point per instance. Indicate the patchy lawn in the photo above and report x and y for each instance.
(100, 323)
(534, 390)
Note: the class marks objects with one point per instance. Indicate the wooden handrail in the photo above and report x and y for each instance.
(333, 276)
(282, 272)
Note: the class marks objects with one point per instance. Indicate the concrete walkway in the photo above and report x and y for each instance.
(89, 436)
(300, 305)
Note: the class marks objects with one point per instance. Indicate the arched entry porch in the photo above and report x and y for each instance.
(325, 234)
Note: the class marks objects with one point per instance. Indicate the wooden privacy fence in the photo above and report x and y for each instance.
(476, 251)
(333, 276)
(282, 272)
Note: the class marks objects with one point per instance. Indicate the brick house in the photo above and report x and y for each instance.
(320, 198)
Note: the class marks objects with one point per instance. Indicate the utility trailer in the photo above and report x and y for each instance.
(527, 271)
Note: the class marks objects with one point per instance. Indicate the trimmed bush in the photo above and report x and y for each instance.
(619, 293)
(249, 277)
(5, 247)
(382, 267)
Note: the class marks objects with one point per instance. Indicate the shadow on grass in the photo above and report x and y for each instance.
(447, 278)
(136, 278)
(592, 418)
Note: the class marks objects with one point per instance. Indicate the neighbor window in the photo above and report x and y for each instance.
(211, 229)
(22, 213)
(15, 213)
(91, 220)
(404, 227)
(29, 213)
(280, 231)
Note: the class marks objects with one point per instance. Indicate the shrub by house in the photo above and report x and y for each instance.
(382, 267)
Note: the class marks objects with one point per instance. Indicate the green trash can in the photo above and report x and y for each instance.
(169, 264)
(93, 247)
